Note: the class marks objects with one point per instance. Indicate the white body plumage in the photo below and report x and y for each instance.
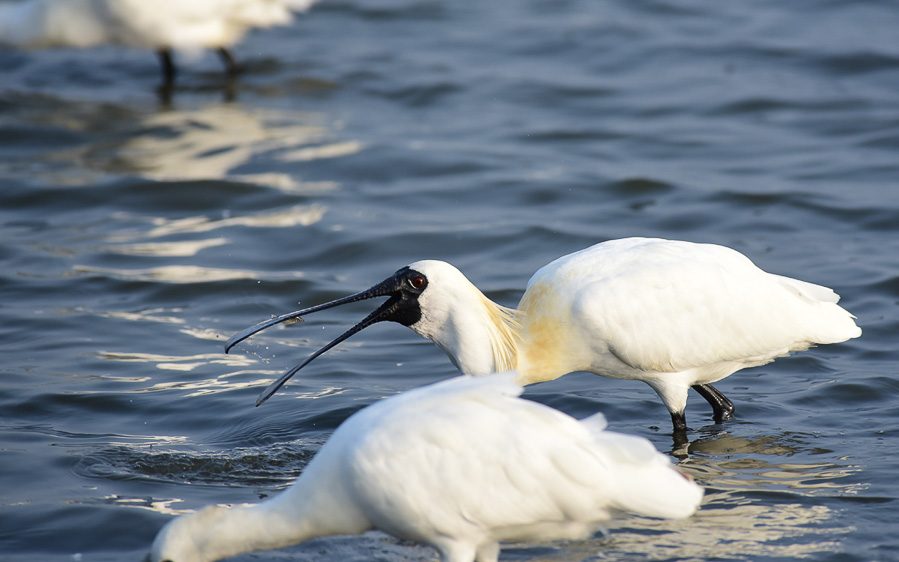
(460, 465)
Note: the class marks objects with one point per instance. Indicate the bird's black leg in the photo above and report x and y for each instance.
(168, 67)
(680, 422)
(232, 67)
(722, 408)
(680, 430)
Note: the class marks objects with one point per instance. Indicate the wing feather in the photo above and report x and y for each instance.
(668, 306)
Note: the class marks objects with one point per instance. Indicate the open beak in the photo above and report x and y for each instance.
(394, 309)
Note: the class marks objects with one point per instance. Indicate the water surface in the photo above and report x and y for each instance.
(137, 235)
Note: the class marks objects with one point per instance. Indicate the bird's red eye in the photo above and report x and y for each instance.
(417, 282)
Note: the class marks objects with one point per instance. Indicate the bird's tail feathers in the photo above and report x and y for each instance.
(833, 324)
(645, 481)
(839, 326)
(657, 491)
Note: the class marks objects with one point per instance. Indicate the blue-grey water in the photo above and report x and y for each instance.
(137, 234)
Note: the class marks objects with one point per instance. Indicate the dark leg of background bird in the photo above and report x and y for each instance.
(722, 408)
(168, 67)
(232, 67)
(232, 70)
(168, 77)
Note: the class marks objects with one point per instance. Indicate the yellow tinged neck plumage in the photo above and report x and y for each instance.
(504, 329)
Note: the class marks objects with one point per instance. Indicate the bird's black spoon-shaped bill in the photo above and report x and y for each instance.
(382, 313)
(400, 307)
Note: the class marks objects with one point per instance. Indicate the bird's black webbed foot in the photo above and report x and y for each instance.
(722, 408)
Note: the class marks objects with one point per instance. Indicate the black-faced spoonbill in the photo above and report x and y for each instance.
(672, 314)
(160, 25)
(461, 465)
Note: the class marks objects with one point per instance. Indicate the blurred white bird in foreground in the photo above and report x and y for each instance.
(461, 465)
(161, 25)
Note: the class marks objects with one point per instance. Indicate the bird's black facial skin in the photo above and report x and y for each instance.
(407, 310)
(403, 287)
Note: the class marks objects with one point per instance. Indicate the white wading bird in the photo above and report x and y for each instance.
(461, 465)
(672, 314)
(161, 25)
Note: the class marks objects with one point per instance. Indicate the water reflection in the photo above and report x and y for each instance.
(727, 527)
(740, 516)
(298, 215)
(212, 142)
(788, 462)
(222, 382)
(166, 507)
(183, 274)
(167, 361)
(181, 249)
(148, 315)
(240, 378)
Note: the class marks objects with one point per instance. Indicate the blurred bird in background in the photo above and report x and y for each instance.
(160, 25)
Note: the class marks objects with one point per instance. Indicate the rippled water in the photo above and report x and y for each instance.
(136, 235)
